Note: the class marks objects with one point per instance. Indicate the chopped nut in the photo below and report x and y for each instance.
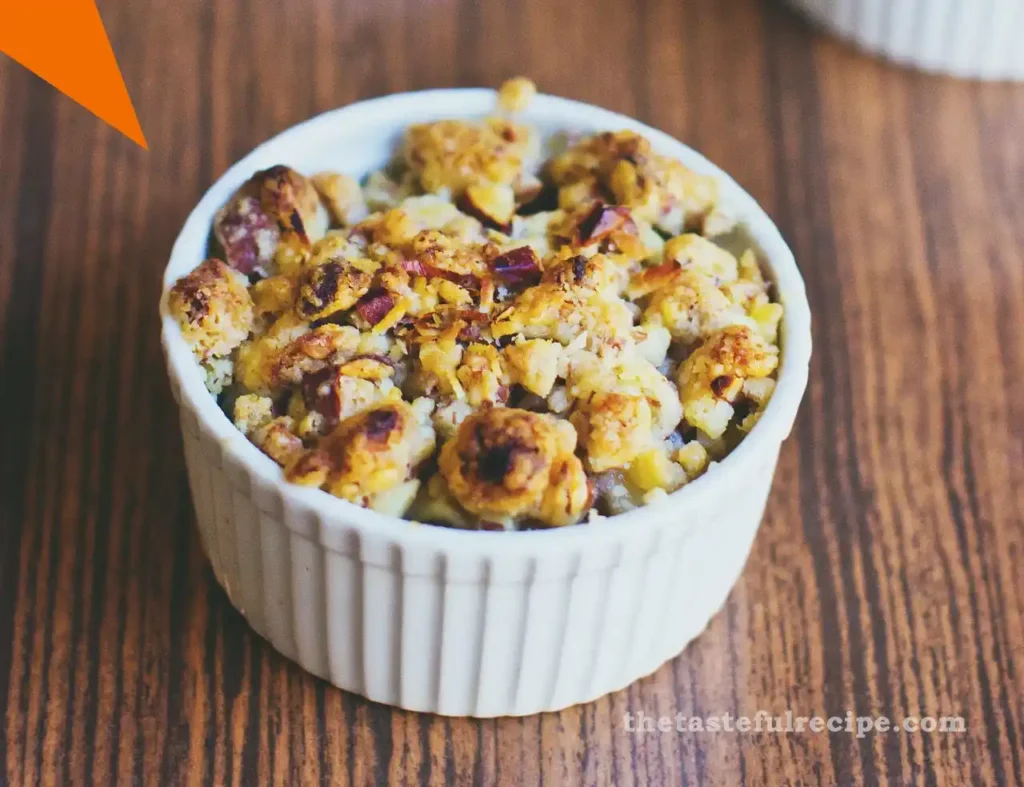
(601, 222)
(342, 196)
(518, 266)
(493, 204)
(368, 367)
(375, 305)
(247, 234)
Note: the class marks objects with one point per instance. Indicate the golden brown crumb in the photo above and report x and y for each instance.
(270, 222)
(614, 428)
(277, 439)
(505, 462)
(292, 200)
(367, 453)
(343, 197)
(213, 308)
(456, 154)
(515, 94)
(713, 375)
(656, 188)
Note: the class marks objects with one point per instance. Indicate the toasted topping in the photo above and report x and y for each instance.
(277, 439)
(613, 429)
(291, 199)
(247, 234)
(430, 345)
(699, 254)
(493, 204)
(656, 188)
(273, 296)
(335, 393)
(456, 154)
(213, 308)
(253, 411)
(504, 462)
(712, 376)
(289, 350)
(330, 288)
(516, 93)
(367, 454)
(534, 363)
(270, 223)
(654, 470)
(343, 197)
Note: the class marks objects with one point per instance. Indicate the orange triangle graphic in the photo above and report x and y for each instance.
(63, 41)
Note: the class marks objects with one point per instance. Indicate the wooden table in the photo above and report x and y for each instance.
(886, 579)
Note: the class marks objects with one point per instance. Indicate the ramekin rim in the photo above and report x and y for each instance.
(336, 514)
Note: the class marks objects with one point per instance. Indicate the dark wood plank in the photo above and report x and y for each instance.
(885, 579)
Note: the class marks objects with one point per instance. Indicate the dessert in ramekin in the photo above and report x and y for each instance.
(442, 343)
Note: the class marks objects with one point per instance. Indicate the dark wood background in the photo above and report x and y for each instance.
(887, 578)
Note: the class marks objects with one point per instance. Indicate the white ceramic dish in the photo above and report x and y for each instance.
(977, 39)
(464, 622)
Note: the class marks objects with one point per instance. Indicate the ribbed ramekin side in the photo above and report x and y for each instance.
(966, 38)
(706, 565)
(471, 635)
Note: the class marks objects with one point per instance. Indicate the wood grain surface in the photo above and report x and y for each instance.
(886, 580)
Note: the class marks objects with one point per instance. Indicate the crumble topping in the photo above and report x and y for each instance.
(478, 337)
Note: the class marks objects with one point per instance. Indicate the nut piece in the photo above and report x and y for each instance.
(213, 308)
(376, 305)
(342, 196)
(658, 189)
(601, 222)
(515, 94)
(247, 234)
(368, 367)
(251, 411)
(482, 376)
(335, 395)
(312, 351)
(517, 266)
(505, 462)
(289, 350)
(494, 205)
(272, 296)
(533, 363)
(454, 154)
(691, 251)
(654, 469)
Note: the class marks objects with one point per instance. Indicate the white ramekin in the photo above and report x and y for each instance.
(977, 39)
(457, 622)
